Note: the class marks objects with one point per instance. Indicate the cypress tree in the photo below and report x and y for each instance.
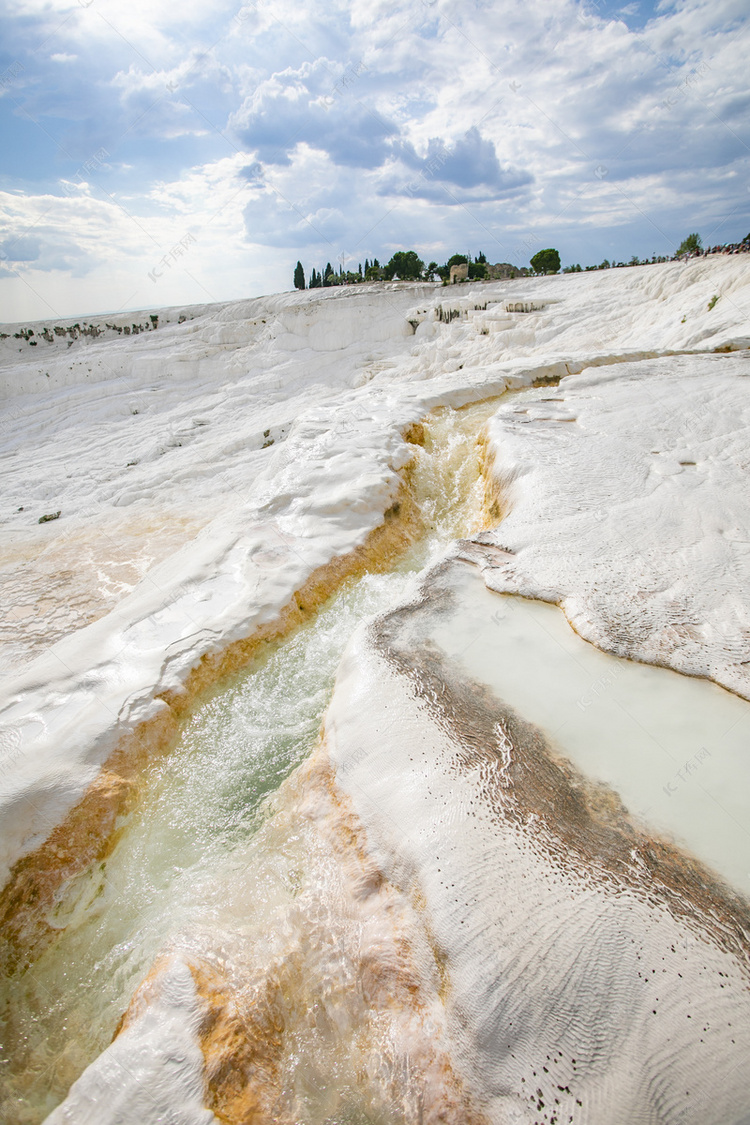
(299, 276)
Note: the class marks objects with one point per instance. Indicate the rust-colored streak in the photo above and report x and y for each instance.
(495, 506)
(242, 1042)
(415, 434)
(255, 1015)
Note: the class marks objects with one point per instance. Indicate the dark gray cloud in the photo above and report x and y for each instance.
(314, 105)
(468, 162)
(456, 171)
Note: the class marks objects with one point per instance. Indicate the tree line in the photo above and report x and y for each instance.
(406, 265)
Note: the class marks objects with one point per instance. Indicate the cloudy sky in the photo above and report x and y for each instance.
(159, 153)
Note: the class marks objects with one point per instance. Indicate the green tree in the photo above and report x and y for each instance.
(690, 245)
(477, 270)
(455, 260)
(328, 275)
(299, 276)
(406, 264)
(546, 261)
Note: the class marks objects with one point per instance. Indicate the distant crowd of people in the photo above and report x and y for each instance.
(729, 247)
(722, 248)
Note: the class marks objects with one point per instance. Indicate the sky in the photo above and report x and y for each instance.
(156, 153)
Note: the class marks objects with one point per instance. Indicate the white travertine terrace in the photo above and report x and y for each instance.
(183, 530)
(628, 504)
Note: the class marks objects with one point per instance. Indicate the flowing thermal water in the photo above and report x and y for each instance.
(194, 839)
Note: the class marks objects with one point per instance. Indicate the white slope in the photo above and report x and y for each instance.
(628, 502)
(332, 377)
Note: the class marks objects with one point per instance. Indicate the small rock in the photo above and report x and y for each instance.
(51, 516)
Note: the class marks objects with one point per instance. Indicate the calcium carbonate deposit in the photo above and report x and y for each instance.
(374, 713)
